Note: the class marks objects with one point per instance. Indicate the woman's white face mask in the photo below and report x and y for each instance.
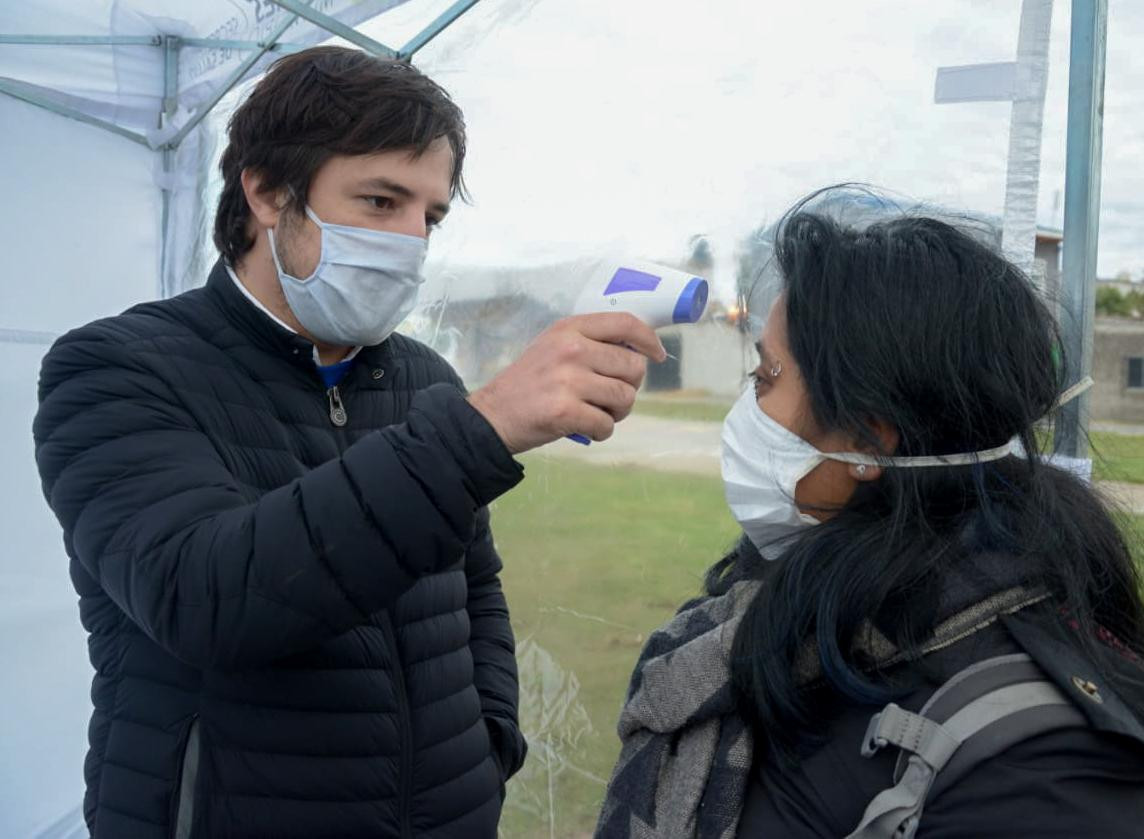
(762, 463)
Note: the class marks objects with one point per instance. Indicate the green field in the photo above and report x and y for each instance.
(666, 407)
(595, 558)
(1118, 457)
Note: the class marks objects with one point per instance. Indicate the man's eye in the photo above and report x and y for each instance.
(432, 223)
(380, 202)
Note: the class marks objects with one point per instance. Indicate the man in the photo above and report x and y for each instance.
(275, 508)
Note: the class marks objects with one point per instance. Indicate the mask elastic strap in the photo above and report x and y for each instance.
(274, 251)
(312, 216)
(920, 461)
(965, 459)
(1072, 393)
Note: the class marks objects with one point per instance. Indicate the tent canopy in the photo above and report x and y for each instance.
(151, 72)
(167, 63)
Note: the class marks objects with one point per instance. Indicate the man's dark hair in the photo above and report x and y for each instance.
(319, 103)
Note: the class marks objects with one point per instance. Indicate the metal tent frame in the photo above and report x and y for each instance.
(1084, 145)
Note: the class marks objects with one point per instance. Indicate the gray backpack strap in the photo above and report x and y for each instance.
(977, 714)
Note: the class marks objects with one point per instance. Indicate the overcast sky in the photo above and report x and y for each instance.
(636, 124)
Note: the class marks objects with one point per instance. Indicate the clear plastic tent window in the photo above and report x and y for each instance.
(667, 132)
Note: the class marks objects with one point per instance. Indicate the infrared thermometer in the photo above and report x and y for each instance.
(657, 295)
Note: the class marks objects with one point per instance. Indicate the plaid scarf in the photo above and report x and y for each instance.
(687, 755)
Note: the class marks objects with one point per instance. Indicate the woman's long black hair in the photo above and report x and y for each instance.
(915, 323)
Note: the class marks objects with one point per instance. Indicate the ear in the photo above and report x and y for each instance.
(266, 206)
(887, 437)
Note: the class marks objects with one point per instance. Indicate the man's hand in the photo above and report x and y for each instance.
(578, 377)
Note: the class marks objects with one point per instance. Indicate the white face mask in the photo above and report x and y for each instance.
(763, 462)
(366, 283)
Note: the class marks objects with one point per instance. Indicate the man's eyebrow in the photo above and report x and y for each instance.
(399, 189)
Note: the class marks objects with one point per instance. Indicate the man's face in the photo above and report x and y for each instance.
(391, 191)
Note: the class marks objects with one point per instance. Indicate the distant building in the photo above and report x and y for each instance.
(711, 358)
(1118, 363)
(1118, 370)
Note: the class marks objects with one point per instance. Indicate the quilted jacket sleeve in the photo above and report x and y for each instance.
(493, 648)
(152, 513)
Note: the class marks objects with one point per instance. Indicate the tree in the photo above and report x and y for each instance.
(1111, 302)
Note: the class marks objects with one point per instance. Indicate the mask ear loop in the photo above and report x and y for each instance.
(1072, 393)
(968, 459)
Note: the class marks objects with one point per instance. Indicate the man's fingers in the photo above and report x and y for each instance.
(595, 423)
(620, 328)
(613, 396)
(616, 363)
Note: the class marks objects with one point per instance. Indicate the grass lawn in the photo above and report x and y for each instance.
(667, 407)
(1133, 526)
(1118, 457)
(595, 558)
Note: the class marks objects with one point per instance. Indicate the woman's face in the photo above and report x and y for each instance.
(782, 395)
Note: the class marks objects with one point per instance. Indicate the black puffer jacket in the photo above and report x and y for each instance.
(297, 628)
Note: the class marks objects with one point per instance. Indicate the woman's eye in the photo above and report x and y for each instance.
(380, 202)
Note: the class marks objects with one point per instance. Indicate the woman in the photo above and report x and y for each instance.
(921, 543)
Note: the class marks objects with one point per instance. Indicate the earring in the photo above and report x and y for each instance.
(776, 369)
(861, 470)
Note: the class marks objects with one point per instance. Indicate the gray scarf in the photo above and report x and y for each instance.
(687, 755)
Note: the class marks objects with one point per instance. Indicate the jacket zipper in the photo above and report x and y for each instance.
(188, 778)
(405, 725)
(338, 415)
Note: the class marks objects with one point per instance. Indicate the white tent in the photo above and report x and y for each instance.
(109, 213)
(639, 125)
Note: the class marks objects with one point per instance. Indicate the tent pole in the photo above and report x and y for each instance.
(165, 223)
(435, 28)
(27, 336)
(1088, 42)
(336, 27)
(223, 44)
(28, 94)
(234, 78)
(171, 45)
(84, 40)
(138, 41)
